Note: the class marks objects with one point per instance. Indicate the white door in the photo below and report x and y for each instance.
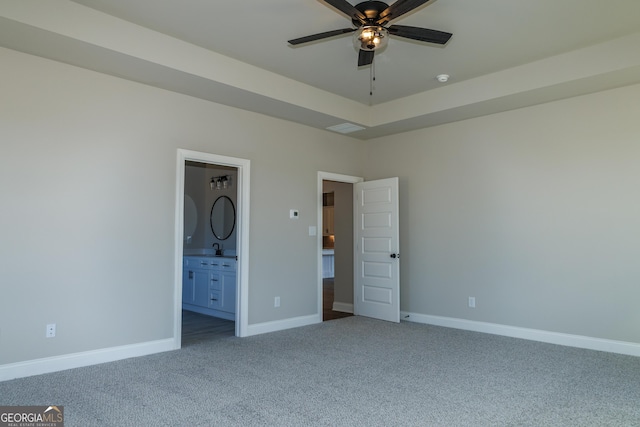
(377, 263)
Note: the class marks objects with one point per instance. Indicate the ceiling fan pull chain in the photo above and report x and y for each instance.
(372, 76)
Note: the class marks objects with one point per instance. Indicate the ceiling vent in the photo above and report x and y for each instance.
(345, 128)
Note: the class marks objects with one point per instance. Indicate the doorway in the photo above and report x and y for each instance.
(375, 234)
(209, 252)
(241, 228)
(335, 245)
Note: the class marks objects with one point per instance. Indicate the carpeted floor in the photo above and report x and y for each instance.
(348, 372)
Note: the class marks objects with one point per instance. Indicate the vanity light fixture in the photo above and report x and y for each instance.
(220, 182)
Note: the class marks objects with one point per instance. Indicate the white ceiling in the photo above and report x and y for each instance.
(520, 52)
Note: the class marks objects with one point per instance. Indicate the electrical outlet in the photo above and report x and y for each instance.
(276, 302)
(472, 302)
(51, 330)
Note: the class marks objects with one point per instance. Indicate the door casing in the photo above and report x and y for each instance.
(242, 212)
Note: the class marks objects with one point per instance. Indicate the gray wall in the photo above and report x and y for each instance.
(535, 212)
(88, 243)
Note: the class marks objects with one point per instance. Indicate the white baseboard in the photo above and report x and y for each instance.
(94, 357)
(280, 325)
(86, 358)
(344, 307)
(579, 341)
(76, 360)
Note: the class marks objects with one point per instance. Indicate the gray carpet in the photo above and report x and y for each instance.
(348, 372)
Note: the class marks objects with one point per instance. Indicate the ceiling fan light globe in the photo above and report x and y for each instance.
(370, 38)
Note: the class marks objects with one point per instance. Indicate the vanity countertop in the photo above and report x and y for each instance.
(210, 256)
(327, 252)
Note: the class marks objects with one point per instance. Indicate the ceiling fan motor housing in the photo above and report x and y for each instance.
(371, 35)
(370, 9)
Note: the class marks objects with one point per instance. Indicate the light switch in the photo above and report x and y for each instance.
(294, 214)
(313, 230)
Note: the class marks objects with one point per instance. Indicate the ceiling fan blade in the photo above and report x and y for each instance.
(320, 36)
(422, 34)
(365, 57)
(398, 9)
(348, 9)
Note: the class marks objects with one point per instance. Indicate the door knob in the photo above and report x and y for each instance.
(395, 255)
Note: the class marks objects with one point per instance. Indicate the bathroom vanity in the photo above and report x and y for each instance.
(209, 285)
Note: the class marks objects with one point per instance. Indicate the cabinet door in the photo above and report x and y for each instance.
(188, 286)
(228, 291)
(201, 288)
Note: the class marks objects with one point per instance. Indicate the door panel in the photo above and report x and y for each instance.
(373, 294)
(377, 264)
(375, 244)
(376, 220)
(374, 270)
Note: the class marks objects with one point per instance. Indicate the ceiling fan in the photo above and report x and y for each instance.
(369, 18)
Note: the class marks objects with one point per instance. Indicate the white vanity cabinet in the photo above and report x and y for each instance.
(209, 285)
(194, 286)
(328, 263)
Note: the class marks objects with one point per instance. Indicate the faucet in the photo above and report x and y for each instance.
(216, 246)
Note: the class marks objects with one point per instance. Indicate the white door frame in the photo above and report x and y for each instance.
(242, 212)
(326, 176)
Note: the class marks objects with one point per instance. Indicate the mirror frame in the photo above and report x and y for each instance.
(223, 236)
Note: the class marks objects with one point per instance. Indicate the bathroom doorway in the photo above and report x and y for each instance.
(209, 252)
(202, 178)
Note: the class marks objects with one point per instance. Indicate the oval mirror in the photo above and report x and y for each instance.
(190, 216)
(223, 217)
